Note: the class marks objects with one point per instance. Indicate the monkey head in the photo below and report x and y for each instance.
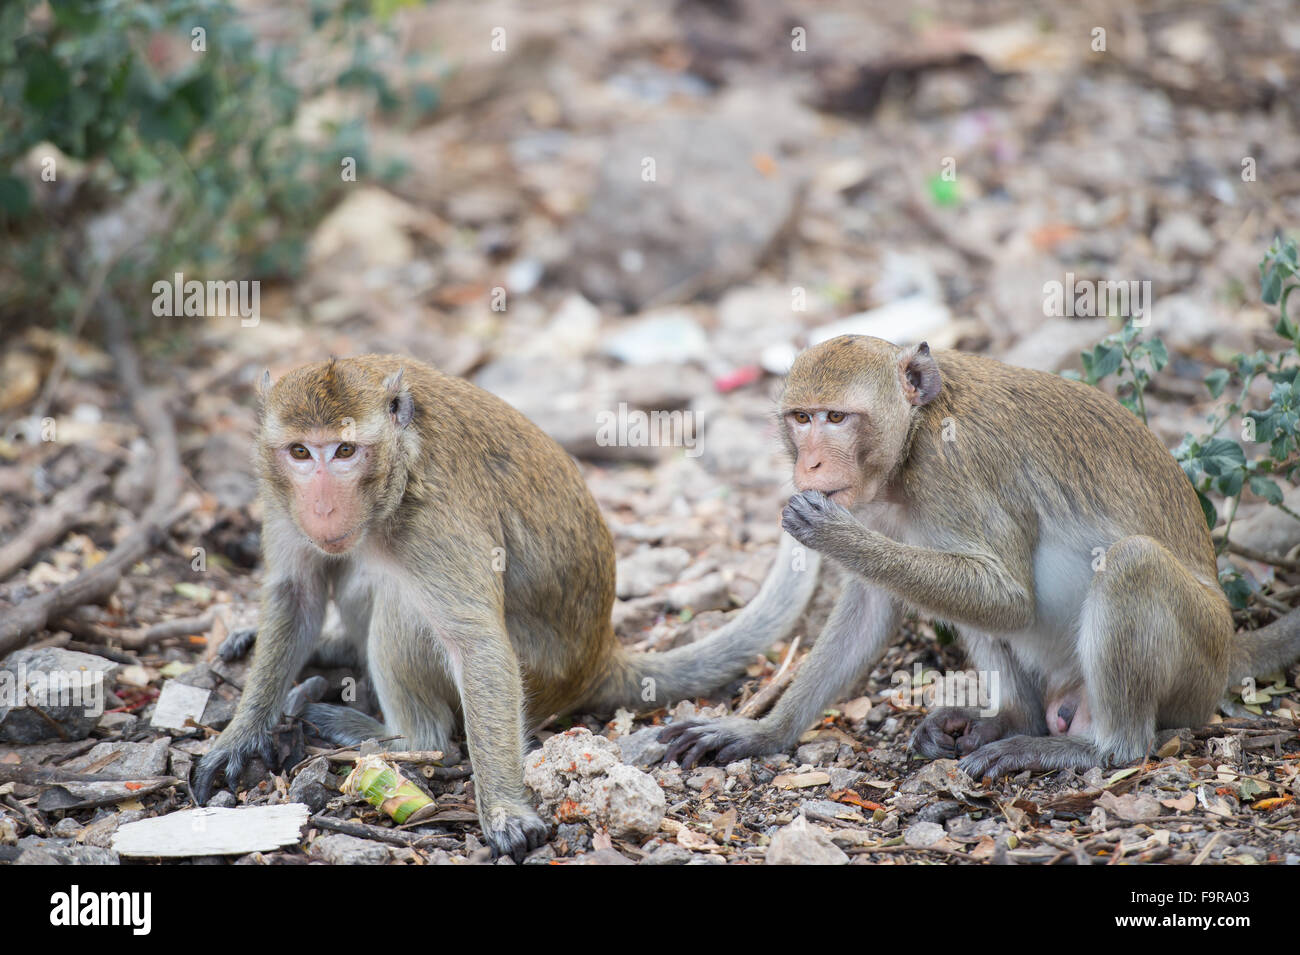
(848, 411)
(334, 444)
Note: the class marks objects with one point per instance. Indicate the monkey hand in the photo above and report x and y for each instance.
(230, 754)
(728, 739)
(954, 731)
(513, 831)
(237, 644)
(816, 521)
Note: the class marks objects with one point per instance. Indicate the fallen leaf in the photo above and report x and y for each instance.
(1273, 802)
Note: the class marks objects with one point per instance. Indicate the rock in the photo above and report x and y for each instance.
(636, 615)
(602, 857)
(340, 849)
(827, 810)
(670, 853)
(940, 811)
(923, 834)
(707, 777)
(123, 724)
(1181, 233)
(1263, 531)
(67, 828)
(940, 775)
(801, 843)
(647, 570)
(844, 778)
(671, 337)
(542, 855)
(309, 786)
(37, 851)
(580, 776)
(132, 759)
(740, 767)
(701, 225)
(642, 748)
(52, 694)
(1186, 320)
(856, 709)
(1056, 343)
(177, 703)
(817, 753)
(907, 321)
(710, 592)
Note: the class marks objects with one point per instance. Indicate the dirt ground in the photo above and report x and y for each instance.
(791, 190)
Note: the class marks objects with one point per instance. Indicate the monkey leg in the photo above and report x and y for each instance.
(1153, 649)
(1016, 705)
(414, 670)
(864, 619)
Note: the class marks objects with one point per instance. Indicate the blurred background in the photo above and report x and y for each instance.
(582, 206)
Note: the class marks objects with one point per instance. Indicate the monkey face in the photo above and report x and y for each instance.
(334, 445)
(325, 480)
(826, 452)
(848, 410)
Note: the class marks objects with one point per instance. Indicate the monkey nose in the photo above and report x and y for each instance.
(323, 508)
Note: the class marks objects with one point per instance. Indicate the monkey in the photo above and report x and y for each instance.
(472, 574)
(1035, 513)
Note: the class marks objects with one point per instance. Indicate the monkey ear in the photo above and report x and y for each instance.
(919, 375)
(400, 404)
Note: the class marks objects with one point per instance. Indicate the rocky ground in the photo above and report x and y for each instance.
(795, 193)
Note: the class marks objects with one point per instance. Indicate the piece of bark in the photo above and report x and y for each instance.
(212, 832)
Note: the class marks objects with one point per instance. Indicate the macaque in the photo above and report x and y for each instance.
(1035, 513)
(471, 571)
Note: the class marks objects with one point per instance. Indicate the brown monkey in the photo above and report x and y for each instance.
(1034, 512)
(470, 568)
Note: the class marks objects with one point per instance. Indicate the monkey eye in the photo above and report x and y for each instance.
(299, 453)
(802, 417)
(835, 417)
(345, 450)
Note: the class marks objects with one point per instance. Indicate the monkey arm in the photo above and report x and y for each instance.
(977, 589)
(491, 690)
(864, 619)
(293, 610)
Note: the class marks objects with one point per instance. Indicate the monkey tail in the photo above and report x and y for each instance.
(1266, 649)
(645, 680)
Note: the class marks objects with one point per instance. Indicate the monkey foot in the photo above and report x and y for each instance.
(1036, 753)
(727, 739)
(955, 731)
(514, 832)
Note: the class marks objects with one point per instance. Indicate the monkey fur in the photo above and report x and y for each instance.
(472, 574)
(1034, 512)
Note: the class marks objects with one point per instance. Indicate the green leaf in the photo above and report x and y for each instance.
(1235, 588)
(1220, 456)
(1208, 509)
(15, 200)
(1266, 488)
(1216, 381)
(1106, 360)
